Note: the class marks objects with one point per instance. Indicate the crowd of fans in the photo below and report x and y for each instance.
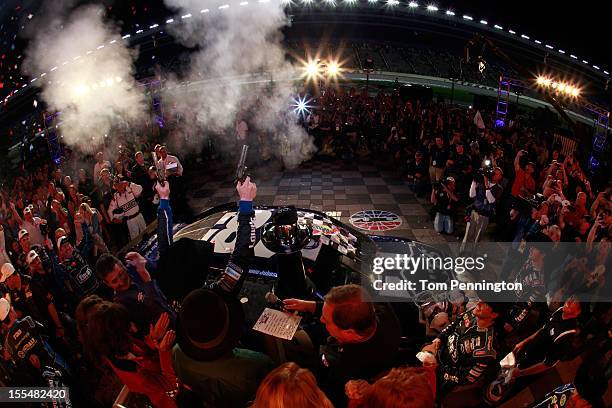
(69, 305)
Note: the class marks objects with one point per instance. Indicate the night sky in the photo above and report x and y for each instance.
(581, 29)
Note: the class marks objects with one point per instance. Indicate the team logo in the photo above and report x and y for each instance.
(375, 220)
(324, 229)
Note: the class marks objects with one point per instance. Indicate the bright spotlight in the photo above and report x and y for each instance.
(350, 2)
(80, 90)
(575, 92)
(413, 4)
(118, 79)
(561, 87)
(432, 8)
(109, 81)
(330, 2)
(540, 80)
(333, 69)
(301, 106)
(392, 3)
(311, 69)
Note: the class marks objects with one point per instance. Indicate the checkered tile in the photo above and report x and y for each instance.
(325, 186)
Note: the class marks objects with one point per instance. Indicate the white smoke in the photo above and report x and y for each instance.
(237, 45)
(92, 87)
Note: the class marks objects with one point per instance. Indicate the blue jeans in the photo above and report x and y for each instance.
(443, 223)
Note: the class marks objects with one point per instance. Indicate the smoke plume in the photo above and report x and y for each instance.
(239, 71)
(92, 86)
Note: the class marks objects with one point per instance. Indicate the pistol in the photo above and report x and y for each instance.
(160, 169)
(241, 170)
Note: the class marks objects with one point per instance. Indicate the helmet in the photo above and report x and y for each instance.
(283, 234)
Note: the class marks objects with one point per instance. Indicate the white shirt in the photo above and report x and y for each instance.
(172, 165)
(34, 230)
(126, 202)
(4, 258)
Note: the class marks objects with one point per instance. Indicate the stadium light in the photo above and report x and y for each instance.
(311, 69)
(333, 69)
(550, 47)
(573, 56)
(596, 67)
(350, 2)
(392, 3)
(467, 17)
(498, 27)
(450, 13)
(372, 1)
(413, 4)
(485, 22)
(512, 31)
(559, 87)
(525, 36)
(301, 106)
(80, 90)
(431, 7)
(538, 41)
(562, 51)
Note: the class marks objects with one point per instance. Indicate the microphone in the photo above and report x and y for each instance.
(274, 302)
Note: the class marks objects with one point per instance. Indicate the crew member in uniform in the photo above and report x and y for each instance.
(123, 206)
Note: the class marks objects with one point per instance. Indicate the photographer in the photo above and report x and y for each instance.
(445, 200)
(486, 194)
(438, 155)
(417, 173)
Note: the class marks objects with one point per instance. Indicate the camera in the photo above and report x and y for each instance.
(486, 170)
(44, 228)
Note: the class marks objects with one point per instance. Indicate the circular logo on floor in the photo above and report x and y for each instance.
(375, 220)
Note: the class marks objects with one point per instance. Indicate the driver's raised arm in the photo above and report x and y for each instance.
(164, 217)
(238, 266)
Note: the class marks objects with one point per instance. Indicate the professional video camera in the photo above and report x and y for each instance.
(526, 205)
(486, 170)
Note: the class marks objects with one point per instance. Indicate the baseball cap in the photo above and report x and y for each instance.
(31, 256)
(27, 210)
(7, 270)
(61, 240)
(22, 232)
(5, 308)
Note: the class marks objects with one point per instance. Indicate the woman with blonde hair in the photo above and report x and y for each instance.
(289, 386)
(92, 219)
